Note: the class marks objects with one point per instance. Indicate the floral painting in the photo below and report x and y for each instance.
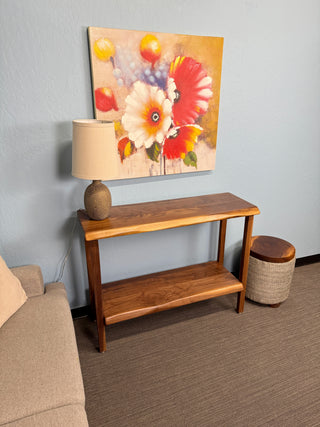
(162, 93)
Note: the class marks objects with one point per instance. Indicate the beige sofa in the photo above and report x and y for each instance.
(40, 376)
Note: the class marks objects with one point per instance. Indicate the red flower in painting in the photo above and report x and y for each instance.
(189, 88)
(105, 99)
(180, 141)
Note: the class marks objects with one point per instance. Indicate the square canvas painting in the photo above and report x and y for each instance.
(162, 93)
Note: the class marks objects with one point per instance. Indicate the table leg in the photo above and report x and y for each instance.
(94, 277)
(222, 239)
(90, 280)
(246, 244)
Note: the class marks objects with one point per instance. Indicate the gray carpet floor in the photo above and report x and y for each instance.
(206, 365)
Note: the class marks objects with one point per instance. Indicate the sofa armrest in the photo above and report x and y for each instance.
(57, 290)
(55, 287)
(31, 279)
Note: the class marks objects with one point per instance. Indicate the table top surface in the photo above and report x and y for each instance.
(164, 214)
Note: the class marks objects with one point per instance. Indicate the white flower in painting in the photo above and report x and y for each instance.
(147, 116)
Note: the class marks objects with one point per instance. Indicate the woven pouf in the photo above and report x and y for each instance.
(271, 266)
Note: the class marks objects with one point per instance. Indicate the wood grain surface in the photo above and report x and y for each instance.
(160, 215)
(130, 298)
(272, 249)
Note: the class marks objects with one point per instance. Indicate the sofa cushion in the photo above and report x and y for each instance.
(31, 279)
(70, 416)
(12, 295)
(39, 352)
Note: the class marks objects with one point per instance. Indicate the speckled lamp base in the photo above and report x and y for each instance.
(97, 200)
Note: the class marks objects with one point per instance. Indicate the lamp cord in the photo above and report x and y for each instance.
(68, 251)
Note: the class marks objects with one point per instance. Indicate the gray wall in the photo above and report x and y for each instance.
(268, 137)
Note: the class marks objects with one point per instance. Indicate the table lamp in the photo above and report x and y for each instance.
(94, 157)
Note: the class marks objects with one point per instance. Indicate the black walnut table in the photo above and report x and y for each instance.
(134, 297)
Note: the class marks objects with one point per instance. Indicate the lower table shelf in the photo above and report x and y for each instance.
(138, 296)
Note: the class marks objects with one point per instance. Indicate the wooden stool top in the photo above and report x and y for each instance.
(271, 249)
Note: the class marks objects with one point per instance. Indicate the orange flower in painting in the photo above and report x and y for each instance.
(180, 141)
(189, 88)
(125, 148)
(147, 116)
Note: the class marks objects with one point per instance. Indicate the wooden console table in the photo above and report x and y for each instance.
(130, 298)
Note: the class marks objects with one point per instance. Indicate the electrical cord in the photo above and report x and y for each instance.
(68, 251)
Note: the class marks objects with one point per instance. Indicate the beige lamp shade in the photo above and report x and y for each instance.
(94, 150)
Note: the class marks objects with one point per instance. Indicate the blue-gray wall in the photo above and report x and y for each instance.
(268, 136)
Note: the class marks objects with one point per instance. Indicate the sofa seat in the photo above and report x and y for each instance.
(40, 377)
(65, 416)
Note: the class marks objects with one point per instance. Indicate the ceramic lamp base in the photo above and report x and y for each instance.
(97, 200)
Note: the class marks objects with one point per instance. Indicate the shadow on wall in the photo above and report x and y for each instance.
(214, 240)
(233, 256)
(78, 292)
(63, 133)
(64, 160)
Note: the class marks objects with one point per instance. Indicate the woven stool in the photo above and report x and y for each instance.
(271, 266)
